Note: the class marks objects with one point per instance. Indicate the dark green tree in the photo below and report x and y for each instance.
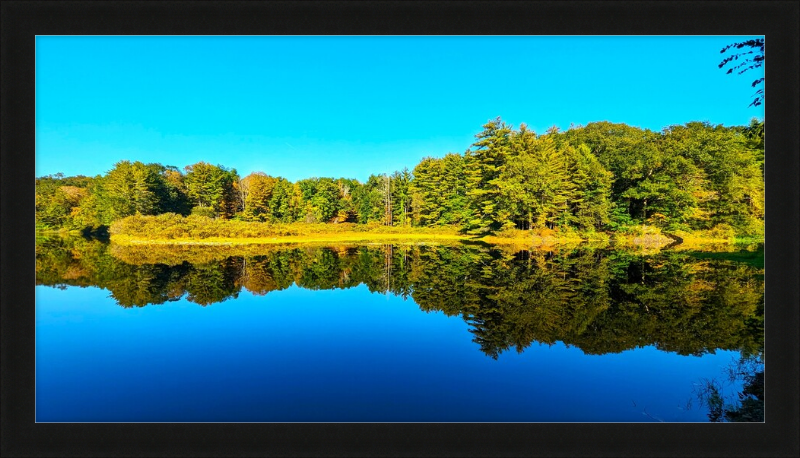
(212, 187)
(483, 166)
(131, 188)
(281, 209)
(401, 197)
(535, 188)
(751, 53)
(591, 203)
(368, 200)
(725, 176)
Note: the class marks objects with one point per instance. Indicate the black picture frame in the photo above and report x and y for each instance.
(777, 20)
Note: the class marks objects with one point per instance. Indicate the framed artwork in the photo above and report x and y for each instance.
(399, 229)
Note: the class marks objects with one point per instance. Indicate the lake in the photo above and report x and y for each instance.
(389, 333)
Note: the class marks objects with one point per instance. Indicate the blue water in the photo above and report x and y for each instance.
(330, 356)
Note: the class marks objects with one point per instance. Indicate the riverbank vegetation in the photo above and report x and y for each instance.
(172, 228)
(687, 182)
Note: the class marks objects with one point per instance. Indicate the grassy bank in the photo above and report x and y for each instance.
(717, 239)
(172, 229)
(336, 237)
(56, 231)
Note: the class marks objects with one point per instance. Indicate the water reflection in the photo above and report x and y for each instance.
(601, 301)
(746, 405)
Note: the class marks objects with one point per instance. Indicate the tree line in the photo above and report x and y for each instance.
(599, 177)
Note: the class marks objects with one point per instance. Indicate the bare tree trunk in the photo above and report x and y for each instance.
(244, 190)
(387, 203)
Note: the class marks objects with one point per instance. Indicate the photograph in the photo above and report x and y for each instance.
(400, 229)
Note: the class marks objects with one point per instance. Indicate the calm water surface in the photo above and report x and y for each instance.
(387, 333)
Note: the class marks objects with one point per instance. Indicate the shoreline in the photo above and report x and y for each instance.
(422, 238)
(347, 237)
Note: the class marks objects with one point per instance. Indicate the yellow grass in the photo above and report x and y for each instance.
(640, 237)
(519, 241)
(311, 238)
(349, 237)
(532, 241)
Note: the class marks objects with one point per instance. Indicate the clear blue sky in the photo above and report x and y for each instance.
(299, 107)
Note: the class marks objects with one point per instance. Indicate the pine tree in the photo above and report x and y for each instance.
(130, 189)
(483, 165)
(426, 203)
(535, 184)
(212, 187)
(591, 203)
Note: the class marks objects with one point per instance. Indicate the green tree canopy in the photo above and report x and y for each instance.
(212, 186)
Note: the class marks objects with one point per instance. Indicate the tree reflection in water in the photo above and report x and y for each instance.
(746, 405)
(601, 301)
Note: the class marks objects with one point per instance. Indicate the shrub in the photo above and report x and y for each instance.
(204, 211)
(175, 226)
(722, 231)
(513, 233)
(546, 232)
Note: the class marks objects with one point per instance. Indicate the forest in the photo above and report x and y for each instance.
(602, 177)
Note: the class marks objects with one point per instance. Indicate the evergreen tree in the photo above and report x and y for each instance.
(401, 197)
(483, 165)
(172, 190)
(212, 187)
(591, 202)
(453, 189)
(280, 208)
(368, 200)
(438, 191)
(425, 197)
(534, 183)
(130, 188)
